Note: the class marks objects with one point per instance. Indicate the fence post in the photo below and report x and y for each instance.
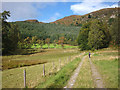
(24, 78)
(43, 69)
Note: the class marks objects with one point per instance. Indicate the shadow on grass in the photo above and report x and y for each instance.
(25, 52)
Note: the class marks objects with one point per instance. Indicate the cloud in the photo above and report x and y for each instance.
(20, 11)
(53, 18)
(88, 6)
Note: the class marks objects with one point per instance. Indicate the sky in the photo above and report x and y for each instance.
(52, 11)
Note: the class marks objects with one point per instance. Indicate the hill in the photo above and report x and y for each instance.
(104, 14)
(68, 26)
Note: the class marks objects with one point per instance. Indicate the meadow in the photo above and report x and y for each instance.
(35, 56)
(33, 63)
(59, 66)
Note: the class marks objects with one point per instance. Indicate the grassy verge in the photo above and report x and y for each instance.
(60, 79)
(84, 79)
(107, 65)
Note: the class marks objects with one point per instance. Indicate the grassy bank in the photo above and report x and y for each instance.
(60, 79)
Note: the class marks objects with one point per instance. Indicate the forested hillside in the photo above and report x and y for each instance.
(47, 30)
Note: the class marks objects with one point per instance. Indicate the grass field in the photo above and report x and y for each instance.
(44, 56)
(13, 78)
(107, 63)
(59, 68)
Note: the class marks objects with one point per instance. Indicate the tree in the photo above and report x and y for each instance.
(47, 41)
(40, 42)
(55, 42)
(10, 35)
(61, 41)
(114, 32)
(97, 37)
(89, 16)
(5, 15)
(83, 37)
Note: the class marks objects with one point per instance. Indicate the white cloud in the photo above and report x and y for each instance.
(53, 18)
(20, 11)
(88, 6)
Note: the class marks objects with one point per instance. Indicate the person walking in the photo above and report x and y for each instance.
(89, 54)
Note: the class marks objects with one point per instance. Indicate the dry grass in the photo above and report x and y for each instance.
(84, 79)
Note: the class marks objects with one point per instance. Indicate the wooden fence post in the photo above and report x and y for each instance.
(24, 78)
(43, 69)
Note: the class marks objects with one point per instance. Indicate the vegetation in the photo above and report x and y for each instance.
(60, 79)
(10, 35)
(84, 79)
(96, 35)
(107, 64)
(13, 78)
(33, 57)
(46, 30)
(31, 43)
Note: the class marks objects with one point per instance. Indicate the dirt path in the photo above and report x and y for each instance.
(96, 76)
(75, 75)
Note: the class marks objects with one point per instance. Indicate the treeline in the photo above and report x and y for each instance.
(97, 34)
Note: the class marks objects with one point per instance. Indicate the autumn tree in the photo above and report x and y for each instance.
(61, 41)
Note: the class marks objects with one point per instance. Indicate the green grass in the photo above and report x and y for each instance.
(107, 64)
(60, 79)
(109, 72)
(52, 46)
(84, 79)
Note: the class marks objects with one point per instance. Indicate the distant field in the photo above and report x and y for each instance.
(52, 46)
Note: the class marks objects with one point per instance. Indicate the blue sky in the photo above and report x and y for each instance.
(51, 11)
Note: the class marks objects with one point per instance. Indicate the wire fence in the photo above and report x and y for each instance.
(32, 76)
